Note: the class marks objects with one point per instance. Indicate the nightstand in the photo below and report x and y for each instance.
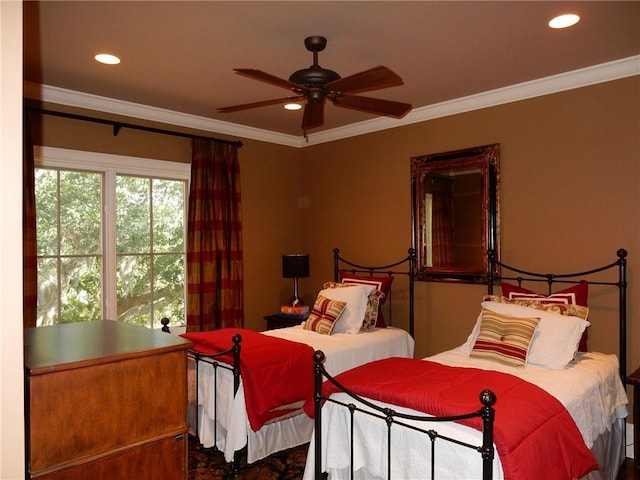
(634, 380)
(277, 321)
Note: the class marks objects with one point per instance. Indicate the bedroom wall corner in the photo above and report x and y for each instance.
(272, 227)
(12, 429)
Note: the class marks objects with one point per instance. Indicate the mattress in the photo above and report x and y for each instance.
(590, 389)
(231, 432)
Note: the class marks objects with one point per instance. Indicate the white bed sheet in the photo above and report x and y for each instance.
(232, 432)
(590, 389)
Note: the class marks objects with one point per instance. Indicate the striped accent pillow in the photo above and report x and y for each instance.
(504, 339)
(324, 315)
(375, 300)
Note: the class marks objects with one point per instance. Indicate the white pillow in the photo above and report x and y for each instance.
(555, 342)
(356, 297)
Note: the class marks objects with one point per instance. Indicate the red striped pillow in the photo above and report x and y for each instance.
(504, 339)
(324, 315)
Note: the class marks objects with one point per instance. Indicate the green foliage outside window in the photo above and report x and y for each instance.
(150, 246)
(149, 266)
(68, 219)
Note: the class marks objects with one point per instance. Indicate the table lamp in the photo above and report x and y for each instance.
(295, 266)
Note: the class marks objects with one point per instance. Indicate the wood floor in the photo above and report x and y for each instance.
(626, 473)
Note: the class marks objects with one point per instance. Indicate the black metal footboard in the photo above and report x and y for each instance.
(213, 360)
(393, 418)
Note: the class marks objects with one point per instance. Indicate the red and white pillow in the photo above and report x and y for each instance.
(569, 310)
(356, 297)
(574, 295)
(504, 338)
(373, 304)
(324, 315)
(381, 283)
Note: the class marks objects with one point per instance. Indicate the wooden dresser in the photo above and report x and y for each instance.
(105, 400)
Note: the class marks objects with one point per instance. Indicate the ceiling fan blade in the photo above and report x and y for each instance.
(268, 78)
(376, 106)
(246, 106)
(372, 79)
(313, 115)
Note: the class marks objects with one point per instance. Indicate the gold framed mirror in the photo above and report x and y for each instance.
(455, 213)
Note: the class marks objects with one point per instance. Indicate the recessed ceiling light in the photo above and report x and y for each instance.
(564, 21)
(107, 59)
(293, 106)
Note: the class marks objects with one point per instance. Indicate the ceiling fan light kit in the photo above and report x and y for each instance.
(315, 84)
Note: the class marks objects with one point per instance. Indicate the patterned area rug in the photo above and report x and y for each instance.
(208, 464)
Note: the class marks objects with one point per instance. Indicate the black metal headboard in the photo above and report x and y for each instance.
(340, 264)
(520, 276)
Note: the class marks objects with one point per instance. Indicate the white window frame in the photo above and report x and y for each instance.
(110, 165)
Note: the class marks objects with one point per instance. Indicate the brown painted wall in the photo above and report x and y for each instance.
(570, 176)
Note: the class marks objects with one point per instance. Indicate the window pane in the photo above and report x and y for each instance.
(168, 216)
(69, 220)
(76, 261)
(134, 289)
(81, 289)
(80, 213)
(46, 183)
(47, 292)
(168, 287)
(133, 218)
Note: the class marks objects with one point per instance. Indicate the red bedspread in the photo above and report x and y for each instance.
(533, 432)
(275, 372)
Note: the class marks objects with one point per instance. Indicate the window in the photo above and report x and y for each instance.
(428, 230)
(111, 238)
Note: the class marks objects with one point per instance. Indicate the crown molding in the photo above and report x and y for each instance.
(604, 72)
(72, 98)
(601, 73)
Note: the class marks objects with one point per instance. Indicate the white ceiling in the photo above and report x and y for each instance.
(179, 56)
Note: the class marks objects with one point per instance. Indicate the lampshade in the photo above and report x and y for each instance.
(295, 265)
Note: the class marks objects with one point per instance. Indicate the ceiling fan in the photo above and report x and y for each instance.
(316, 84)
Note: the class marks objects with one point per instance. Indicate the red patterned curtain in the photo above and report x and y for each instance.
(29, 253)
(214, 238)
(442, 223)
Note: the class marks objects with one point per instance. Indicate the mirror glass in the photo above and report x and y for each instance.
(455, 213)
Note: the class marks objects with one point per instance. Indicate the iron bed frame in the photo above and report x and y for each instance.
(339, 264)
(392, 417)
(213, 360)
(487, 398)
(494, 275)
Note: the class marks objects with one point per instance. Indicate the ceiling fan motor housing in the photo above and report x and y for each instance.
(313, 76)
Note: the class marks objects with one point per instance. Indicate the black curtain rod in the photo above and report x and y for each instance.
(119, 125)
